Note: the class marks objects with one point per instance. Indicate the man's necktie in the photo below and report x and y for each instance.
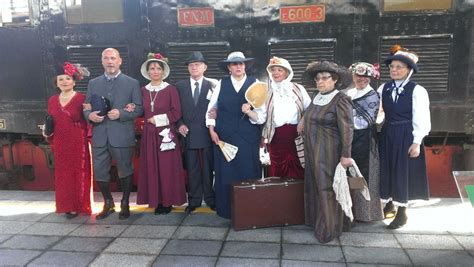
(196, 93)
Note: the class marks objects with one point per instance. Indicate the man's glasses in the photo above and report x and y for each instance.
(322, 78)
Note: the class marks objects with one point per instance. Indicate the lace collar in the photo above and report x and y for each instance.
(156, 88)
(322, 100)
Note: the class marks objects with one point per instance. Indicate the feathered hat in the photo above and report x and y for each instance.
(156, 58)
(76, 71)
(399, 53)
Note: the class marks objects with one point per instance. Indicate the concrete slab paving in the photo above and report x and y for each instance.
(122, 260)
(4, 237)
(152, 219)
(63, 258)
(200, 233)
(83, 244)
(256, 235)
(136, 246)
(467, 242)
(251, 250)
(241, 262)
(312, 253)
(304, 237)
(192, 247)
(375, 255)
(440, 257)
(17, 257)
(13, 227)
(113, 218)
(184, 261)
(61, 218)
(59, 229)
(30, 242)
(149, 231)
(209, 219)
(294, 263)
(99, 230)
(30, 232)
(369, 240)
(428, 241)
(25, 217)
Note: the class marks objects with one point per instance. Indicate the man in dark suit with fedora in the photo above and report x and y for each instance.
(194, 94)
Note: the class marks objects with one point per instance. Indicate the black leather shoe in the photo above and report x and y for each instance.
(124, 210)
(400, 220)
(189, 209)
(167, 210)
(70, 215)
(109, 208)
(159, 209)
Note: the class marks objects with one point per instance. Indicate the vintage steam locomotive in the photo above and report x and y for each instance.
(36, 35)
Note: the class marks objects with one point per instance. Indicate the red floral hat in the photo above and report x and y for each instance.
(76, 71)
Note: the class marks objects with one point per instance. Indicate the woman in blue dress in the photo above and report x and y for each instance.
(407, 122)
(236, 124)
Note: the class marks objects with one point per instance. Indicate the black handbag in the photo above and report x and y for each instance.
(48, 125)
(101, 104)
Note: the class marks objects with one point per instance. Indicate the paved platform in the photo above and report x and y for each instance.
(439, 232)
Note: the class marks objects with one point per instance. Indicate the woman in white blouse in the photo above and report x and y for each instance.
(286, 104)
(365, 102)
(407, 122)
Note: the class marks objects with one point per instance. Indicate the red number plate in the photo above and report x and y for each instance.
(196, 17)
(299, 14)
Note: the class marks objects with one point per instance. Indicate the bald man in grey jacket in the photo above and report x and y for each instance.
(113, 135)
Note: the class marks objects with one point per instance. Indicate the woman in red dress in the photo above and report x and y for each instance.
(72, 172)
(161, 174)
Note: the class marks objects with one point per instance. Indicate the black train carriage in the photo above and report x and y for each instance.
(37, 35)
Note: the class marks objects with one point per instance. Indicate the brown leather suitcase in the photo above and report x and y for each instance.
(260, 203)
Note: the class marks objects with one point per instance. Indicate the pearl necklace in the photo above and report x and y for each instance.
(66, 96)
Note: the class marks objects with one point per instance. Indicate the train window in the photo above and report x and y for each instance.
(416, 5)
(90, 57)
(434, 53)
(94, 11)
(213, 52)
(15, 12)
(301, 52)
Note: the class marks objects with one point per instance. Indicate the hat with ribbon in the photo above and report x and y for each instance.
(365, 69)
(280, 62)
(195, 56)
(235, 57)
(313, 68)
(406, 56)
(75, 71)
(152, 57)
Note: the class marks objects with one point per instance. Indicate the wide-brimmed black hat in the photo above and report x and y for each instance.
(101, 104)
(195, 56)
(313, 68)
(235, 57)
(404, 55)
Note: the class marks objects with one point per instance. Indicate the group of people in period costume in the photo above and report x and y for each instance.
(198, 116)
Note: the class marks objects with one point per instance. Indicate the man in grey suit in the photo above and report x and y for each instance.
(194, 94)
(113, 134)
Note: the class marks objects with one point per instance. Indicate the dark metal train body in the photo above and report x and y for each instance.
(301, 31)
